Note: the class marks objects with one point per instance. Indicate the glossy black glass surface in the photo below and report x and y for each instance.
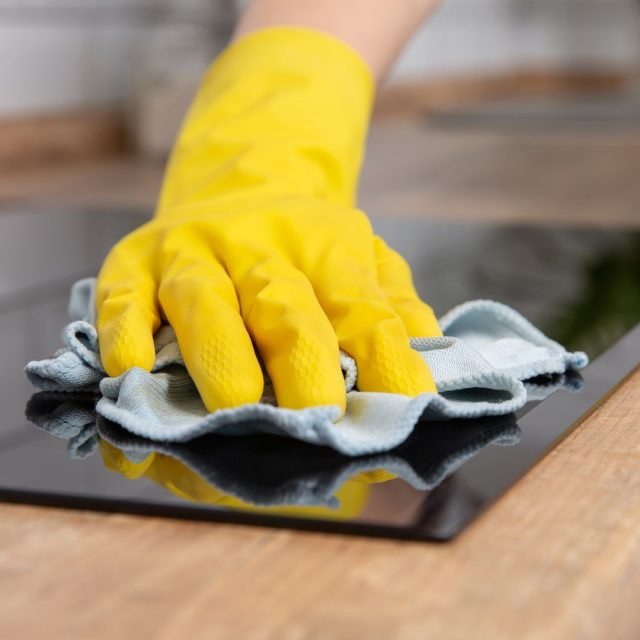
(581, 286)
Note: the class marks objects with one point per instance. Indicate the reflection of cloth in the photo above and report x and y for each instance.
(542, 387)
(67, 415)
(264, 470)
(478, 366)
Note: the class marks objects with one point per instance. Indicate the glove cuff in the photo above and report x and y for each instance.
(282, 111)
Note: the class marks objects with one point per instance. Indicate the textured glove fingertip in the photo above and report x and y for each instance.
(121, 349)
(233, 390)
(125, 327)
(393, 367)
(416, 378)
(330, 391)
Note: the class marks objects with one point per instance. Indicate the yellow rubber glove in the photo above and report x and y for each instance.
(256, 252)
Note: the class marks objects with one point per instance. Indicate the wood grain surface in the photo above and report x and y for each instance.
(558, 557)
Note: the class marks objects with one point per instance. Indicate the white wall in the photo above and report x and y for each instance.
(65, 54)
(57, 54)
(484, 35)
(45, 68)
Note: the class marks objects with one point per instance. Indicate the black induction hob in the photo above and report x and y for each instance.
(579, 285)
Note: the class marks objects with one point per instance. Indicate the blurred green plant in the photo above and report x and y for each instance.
(608, 305)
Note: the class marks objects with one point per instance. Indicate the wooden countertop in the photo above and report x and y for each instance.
(558, 557)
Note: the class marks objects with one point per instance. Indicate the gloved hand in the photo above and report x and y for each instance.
(256, 250)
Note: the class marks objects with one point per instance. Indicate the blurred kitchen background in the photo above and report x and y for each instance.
(518, 109)
(523, 112)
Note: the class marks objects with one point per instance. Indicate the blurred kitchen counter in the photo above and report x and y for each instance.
(101, 182)
(416, 168)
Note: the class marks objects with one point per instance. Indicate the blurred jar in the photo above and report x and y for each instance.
(185, 38)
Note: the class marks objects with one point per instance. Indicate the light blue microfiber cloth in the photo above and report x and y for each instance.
(478, 367)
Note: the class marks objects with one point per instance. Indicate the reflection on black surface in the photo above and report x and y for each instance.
(264, 471)
(67, 415)
(579, 285)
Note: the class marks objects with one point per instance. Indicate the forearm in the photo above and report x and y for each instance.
(376, 29)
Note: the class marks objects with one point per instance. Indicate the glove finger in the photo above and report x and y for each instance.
(293, 335)
(200, 304)
(394, 277)
(127, 314)
(367, 327)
